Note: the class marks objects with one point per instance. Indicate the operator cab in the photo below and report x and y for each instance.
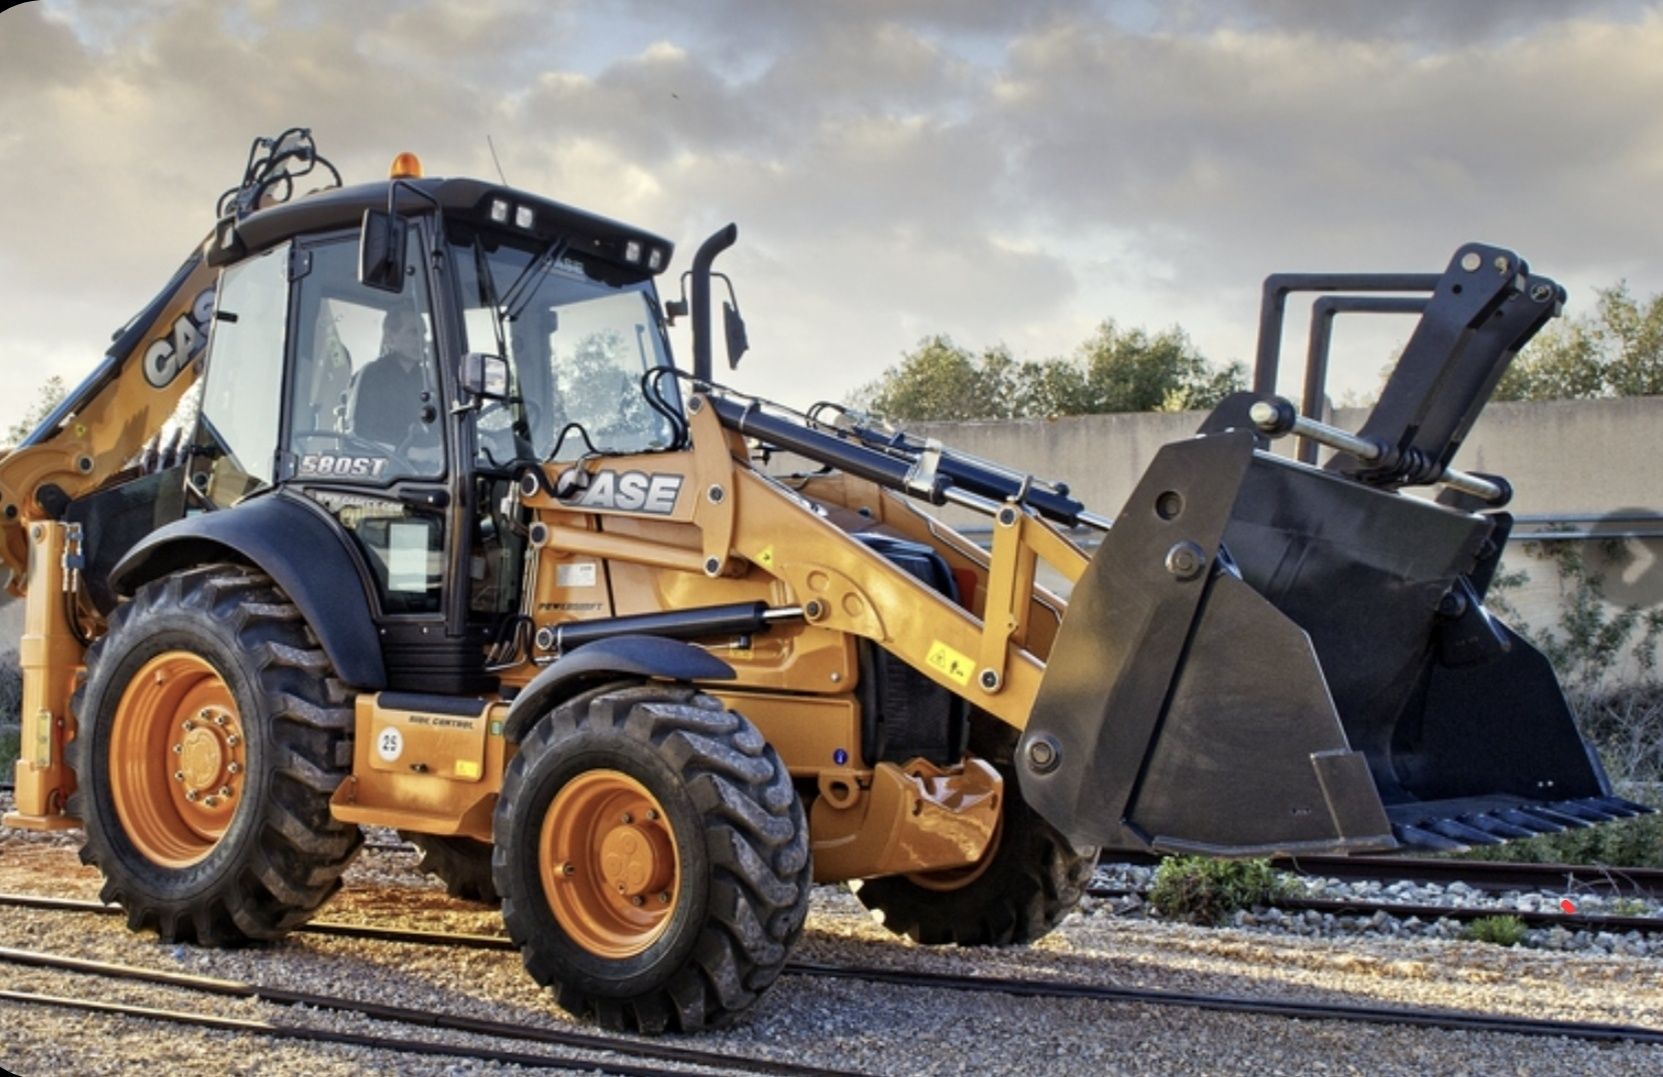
(368, 384)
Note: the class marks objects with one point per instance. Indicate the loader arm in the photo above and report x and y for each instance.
(99, 431)
(104, 424)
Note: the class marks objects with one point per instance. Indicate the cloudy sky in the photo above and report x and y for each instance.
(1002, 172)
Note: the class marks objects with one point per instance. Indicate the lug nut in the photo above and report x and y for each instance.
(638, 901)
(205, 712)
(663, 897)
(178, 749)
(212, 802)
(178, 775)
(189, 725)
(627, 819)
(225, 791)
(652, 816)
(233, 740)
(219, 719)
(567, 868)
(234, 768)
(191, 795)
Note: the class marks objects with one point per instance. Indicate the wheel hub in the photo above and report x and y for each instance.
(177, 759)
(609, 863)
(635, 859)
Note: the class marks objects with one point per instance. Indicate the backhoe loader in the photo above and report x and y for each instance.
(392, 509)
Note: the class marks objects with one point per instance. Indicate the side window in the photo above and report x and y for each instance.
(365, 398)
(237, 428)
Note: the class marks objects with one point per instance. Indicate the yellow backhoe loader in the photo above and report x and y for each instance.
(393, 509)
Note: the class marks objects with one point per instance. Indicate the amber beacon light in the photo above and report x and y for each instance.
(405, 166)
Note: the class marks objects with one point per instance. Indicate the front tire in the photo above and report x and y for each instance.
(211, 733)
(653, 858)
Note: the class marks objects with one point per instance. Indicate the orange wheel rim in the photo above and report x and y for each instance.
(178, 759)
(609, 863)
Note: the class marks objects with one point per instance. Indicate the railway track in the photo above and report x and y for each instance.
(1025, 987)
(1460, 913)
(589, 1045)
(1478, 874)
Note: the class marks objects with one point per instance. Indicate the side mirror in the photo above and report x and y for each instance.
(733, 328)
(485, 377)
(381, 242)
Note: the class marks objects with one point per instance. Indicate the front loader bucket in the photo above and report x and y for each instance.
(1266, 658)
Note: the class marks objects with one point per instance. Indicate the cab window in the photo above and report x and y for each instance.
(365, 397)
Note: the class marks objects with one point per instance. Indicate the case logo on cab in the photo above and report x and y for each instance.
(628, 491)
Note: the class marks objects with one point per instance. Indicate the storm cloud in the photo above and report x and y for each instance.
(999, 172)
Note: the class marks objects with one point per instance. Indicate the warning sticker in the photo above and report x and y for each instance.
(956, 665)
(467, 768)
(576, 574)
(765, 557)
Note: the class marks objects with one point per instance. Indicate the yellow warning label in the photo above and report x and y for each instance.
(955, 665)
(766, 557)
(467, 768)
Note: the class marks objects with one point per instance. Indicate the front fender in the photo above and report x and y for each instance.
(626, 656)
(300, 548)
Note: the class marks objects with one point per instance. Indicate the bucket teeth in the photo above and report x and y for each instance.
(1525, 821)
(1582, 809)
(1492, 824)
(1459, 831)
(1558, 818)
(1426, 839)
(1625, 809)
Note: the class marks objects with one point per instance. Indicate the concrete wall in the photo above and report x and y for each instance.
(1570, 456)
(1594, 461)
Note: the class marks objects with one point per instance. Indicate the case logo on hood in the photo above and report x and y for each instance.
(627, 491)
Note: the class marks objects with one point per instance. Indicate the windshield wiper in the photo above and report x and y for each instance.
(516, 301)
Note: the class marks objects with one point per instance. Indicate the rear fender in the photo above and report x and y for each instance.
(295, 544)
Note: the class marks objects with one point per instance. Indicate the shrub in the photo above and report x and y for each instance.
(11, 687)
(1203, 890)
(1501, 930)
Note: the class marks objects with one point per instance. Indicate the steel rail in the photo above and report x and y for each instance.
(405, 1015)
(1053, 988)
(1379, 1015)
(1479, 874)
(1459, 913)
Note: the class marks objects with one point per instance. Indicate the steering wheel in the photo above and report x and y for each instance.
(342, 441)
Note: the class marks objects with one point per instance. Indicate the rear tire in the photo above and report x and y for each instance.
(653, 858)
(211, 733)
(462, 864)
(1027, 883)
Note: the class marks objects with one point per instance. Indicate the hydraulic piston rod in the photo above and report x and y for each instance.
(1279, 418)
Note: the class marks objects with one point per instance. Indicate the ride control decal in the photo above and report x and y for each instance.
(164, 358)
(629, 491)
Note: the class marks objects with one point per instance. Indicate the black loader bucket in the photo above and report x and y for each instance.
(1264, 657)
(1267, 657)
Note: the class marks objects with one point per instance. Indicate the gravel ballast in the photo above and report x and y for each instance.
(861, 1027)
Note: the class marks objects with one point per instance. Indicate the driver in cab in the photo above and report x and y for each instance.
(392, 397)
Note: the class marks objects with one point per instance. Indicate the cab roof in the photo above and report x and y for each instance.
(465, 199)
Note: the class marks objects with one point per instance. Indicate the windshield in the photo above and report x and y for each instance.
(576, 344)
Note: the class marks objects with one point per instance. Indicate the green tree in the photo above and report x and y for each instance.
(1614, 350)
(47, 397)
(941, 381)
(1114, 370)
